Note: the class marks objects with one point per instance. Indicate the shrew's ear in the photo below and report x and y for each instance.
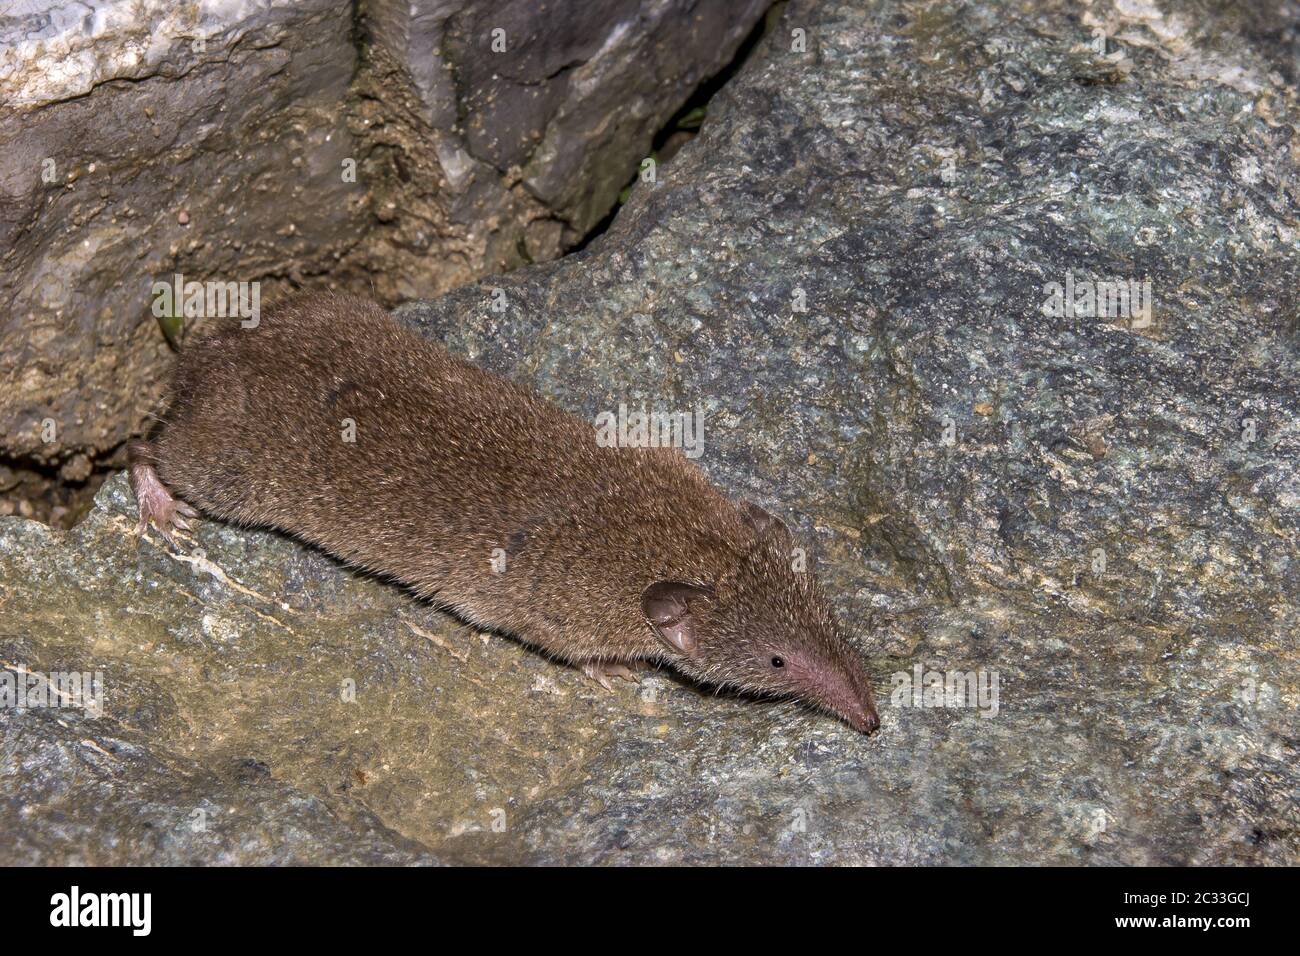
(671, 609)
(761, 520)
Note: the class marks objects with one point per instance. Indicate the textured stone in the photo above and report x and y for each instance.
(499, 132)
(955, 455)
(141, 140)
(312, 143)
(1148, 709)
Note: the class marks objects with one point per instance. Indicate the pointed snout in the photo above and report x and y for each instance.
(861, 711)
(856, 706)
(843, 689)
(864, 718)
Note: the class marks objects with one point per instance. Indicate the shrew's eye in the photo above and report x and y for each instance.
(778, 662)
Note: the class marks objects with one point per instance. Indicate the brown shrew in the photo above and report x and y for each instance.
(331, 421)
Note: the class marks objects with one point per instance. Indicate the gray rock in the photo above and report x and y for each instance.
(141, 140)
(296, 144)
(1099, 510)
(94, 796)
(499, 132)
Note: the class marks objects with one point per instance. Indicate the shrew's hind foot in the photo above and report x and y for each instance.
(157, 506)
(603, 671)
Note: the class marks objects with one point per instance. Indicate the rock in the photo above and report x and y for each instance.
(93, 798)
(287, 712)
(141, 140)
(291, 144)
(1103, 511)
(1099, 511)
(491, 116)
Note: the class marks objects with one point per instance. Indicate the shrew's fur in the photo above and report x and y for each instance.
(450, 463)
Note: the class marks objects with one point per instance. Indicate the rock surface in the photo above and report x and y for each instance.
(850, 272)
(499, 132)
(141, 140)
(297, 143)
